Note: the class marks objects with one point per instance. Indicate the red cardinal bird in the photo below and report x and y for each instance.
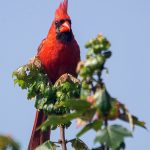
(59, 54)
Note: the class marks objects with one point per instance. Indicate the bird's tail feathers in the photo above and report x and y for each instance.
(38, 137)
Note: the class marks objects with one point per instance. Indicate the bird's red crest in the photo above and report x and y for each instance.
(61, 12)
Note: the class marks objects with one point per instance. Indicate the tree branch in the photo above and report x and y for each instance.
(62, 137)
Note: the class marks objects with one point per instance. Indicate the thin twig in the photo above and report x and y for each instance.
(106, 124)
(62, 137)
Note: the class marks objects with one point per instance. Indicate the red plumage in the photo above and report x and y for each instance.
(61, 11)
(58, 56)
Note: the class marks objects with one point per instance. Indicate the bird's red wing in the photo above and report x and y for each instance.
(41, 45)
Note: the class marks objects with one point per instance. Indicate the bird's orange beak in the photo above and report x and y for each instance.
(65, 27)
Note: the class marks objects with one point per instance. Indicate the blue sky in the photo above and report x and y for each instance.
(126, 23)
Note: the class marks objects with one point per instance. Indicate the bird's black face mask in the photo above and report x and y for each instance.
(63, 30)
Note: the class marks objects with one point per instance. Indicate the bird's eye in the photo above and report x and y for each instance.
(62, 21)
(56, 23)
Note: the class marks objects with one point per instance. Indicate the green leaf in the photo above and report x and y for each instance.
(87, 115)
(132, 120)
(103, 101)
(78, 144)
(75, 104)
(39, 103)
(98, 44)
(6, 141)
(95, 62)
(96, 125)
(55, 120)
(32, 77)
(89, 53)
(105, 44)
(107, 54)
(115, 110)
(89, 44)
(67, 90)
(84, 93)
(121, 147)
(112, 136)
(32, 91)
(136, 121)
(48, 145)
(85, 71)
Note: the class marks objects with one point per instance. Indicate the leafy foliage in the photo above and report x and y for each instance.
(112, 136)
(47, 146)
(78, 144)
(47, 97)
(7, 142)
(103, 101)
(33, 78)
(87, 100)
(95, 125)
(55, 120)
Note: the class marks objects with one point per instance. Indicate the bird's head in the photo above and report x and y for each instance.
(63, 22)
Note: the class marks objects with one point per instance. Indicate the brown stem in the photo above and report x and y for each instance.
(62, 137)
(106, 124)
